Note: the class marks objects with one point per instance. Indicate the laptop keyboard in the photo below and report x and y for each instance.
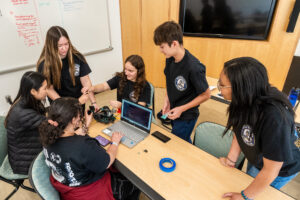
(127, 130)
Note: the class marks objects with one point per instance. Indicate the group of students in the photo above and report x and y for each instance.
(260, 115)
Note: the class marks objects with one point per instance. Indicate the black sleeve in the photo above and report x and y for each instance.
(275, 137)
(114, 82)
(30, 119)
(94, 156)
(146, 94)
(84, 68)
(198, 78)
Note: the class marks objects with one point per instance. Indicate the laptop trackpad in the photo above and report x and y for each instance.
(128, 142)
(125, 140)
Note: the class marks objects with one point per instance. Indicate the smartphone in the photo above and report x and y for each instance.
(161, 136)
(103, 141)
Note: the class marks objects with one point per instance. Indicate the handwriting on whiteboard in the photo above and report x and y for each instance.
(27, 27)
(19, 2)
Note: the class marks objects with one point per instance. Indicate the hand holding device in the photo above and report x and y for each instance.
(164, 116)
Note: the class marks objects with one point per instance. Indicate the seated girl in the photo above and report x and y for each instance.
(22, 121)
(79, 164)
(131, 84)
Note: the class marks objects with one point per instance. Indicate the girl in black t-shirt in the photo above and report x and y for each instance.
(131, 84)
(24, 116)
(262, 119)
(78, 163)
(65, 68)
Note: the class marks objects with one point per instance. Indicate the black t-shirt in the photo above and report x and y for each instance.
(128, 91)
(67, 89)
(76, 160)
(185, 81)
(273, 138)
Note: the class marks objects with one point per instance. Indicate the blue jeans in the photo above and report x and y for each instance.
(183, 128)
(279, 181)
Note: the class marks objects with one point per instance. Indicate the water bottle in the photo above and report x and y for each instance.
(293, 96)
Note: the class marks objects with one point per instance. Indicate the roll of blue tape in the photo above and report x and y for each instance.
(167, 160)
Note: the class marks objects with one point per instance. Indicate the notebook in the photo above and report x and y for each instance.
(135, 123)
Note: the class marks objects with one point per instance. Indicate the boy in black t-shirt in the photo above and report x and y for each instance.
(187, 87)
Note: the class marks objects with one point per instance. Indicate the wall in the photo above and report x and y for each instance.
(139, 18)
(103, 65)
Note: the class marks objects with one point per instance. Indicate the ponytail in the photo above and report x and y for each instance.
(49, 133)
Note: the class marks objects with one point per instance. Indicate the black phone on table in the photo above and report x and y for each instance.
(102, 140)
(161, 136)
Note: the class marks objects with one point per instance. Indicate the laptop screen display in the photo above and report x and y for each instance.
(136, 114)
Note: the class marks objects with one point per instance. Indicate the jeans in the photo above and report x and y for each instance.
(279, 181)
(183, 128)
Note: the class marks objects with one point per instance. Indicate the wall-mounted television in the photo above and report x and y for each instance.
(242, 19)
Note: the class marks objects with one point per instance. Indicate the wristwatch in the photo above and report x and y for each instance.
(114, 143)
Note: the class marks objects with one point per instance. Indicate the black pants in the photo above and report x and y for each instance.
(122, 188)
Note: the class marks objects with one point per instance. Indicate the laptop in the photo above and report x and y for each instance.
(135, 123)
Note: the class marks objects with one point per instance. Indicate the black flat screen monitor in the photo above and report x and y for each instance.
(242, 19)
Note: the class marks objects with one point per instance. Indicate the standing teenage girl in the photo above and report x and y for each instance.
(262, 119)
(65, 68)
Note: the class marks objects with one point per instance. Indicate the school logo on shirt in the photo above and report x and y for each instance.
(77, 69)
(55, 158)
(297, 141)
(132, 97)
(248, 136)
(180, 83)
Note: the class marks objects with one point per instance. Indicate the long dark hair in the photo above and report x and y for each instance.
(251, 90)
(52, 61)
(62, 111)
(30, 80)
(138, 63)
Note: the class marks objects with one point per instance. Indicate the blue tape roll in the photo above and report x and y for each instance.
(167, 160)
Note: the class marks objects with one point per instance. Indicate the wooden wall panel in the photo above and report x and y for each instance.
(153, 14)
(130, 13)
(275, 53)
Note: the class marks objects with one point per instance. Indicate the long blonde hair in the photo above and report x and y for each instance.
(52, 60)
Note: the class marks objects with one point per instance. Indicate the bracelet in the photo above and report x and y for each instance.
(94, 103)
(230, 160)
(244, 196)
(114, 143)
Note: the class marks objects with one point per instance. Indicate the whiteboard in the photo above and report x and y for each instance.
(24, 24)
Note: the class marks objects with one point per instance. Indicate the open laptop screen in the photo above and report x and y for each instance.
(136, 115)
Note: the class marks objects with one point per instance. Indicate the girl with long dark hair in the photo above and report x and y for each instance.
(262, 119)
(65, 68)
(131, 84)
(24, 116)
(79, 164)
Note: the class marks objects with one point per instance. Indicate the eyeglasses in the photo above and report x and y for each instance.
(220, 87)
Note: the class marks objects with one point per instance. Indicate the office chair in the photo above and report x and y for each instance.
(6, 172)
(209, 138)
(39, 174)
